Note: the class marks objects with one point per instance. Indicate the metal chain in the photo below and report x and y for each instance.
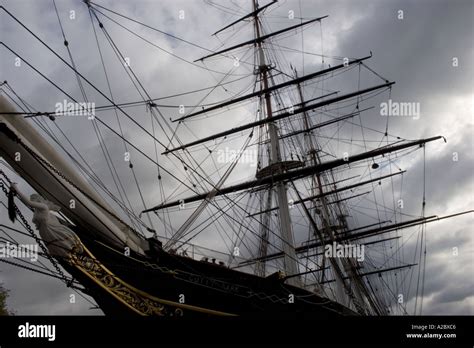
(32, 233)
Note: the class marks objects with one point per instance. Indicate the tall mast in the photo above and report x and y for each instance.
(289, 260)
(316, 183)
(338, 264)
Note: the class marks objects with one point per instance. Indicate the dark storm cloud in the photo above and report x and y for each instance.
(416, 52)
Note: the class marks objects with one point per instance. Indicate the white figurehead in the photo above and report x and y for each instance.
(58, 238)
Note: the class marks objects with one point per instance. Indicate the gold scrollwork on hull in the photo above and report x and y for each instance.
(136, 300)
(124, 293)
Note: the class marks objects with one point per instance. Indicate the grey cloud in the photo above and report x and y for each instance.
(415, 52)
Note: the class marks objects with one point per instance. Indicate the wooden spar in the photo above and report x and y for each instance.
(251, 14)
(249, 184)
(364, 234)
(367, 243)
(299, 173)
(380, 223)
(279, 117)
(306, 101)
(273, 88)
(261, 38)
(373, 272)
(260, 188)
(341, 180)
(394, 227)
(347, 198)
(360, 274)
(335, 120)
(347, 236)
(310, 241)
(344, 188)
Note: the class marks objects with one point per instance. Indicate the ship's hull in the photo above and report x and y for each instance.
(173, 285)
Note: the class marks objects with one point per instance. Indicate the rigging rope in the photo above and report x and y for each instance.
(155, 45)
(29, 229)
(131, 144)
(103, 145)
(183, 229)
(91, 174)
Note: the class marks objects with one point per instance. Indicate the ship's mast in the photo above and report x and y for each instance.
(273, 177)
(338, 265)
(316, 183)
(290, 265)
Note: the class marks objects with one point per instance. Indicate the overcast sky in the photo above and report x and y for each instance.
(416, 51)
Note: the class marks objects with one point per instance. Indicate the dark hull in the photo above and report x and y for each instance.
(191, 288)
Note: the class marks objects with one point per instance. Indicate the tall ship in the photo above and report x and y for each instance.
(269, 195)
